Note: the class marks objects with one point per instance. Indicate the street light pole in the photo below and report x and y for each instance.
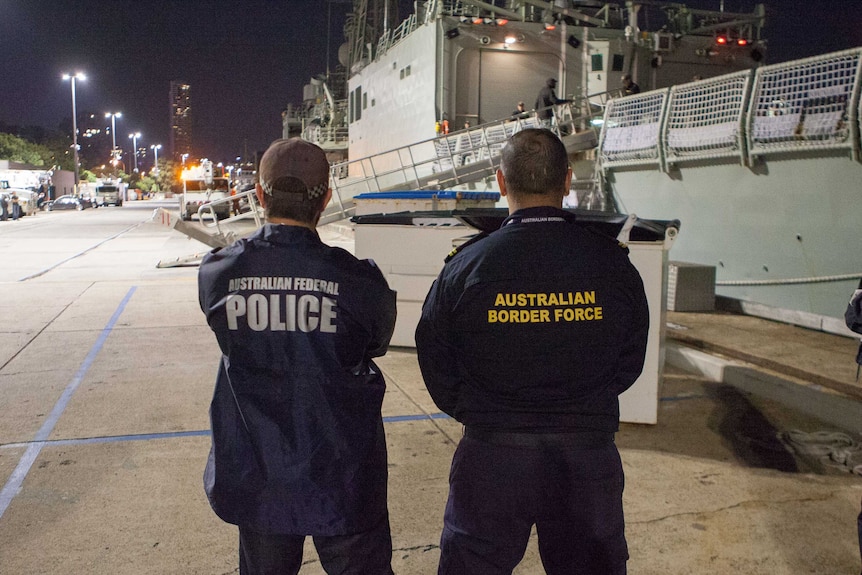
(72, 78)
(134, 138)
(114, 152)
(155, 148)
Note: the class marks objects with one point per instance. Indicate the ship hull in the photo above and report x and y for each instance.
(791, 218)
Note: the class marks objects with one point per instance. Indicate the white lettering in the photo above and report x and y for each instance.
(235, 307)
(257, 312)
(275, 323)
(307, 305)
(327, 316)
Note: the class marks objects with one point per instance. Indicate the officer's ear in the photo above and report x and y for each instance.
(261, 196)
(501, 182)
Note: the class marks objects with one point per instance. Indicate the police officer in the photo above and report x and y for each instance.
(527, 337)
(298, 446)
(853, 318)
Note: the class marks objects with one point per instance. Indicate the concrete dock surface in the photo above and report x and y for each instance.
(107, 367)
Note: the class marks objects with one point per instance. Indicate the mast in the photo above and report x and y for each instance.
(368, 22)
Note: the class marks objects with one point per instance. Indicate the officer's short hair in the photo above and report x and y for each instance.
(294, 174)
(534, 161)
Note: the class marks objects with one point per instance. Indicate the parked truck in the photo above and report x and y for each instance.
(201, 186)
(108, 195)
(27, 199)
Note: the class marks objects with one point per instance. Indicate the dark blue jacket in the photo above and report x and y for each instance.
(297, 436)
(538, 327)
(853, 317)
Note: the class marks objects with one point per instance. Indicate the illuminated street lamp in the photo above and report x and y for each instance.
(114, 151)
(134, 138)
(184, 156)
(72, 78)
(155, 148)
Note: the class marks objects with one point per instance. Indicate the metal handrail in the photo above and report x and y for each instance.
(207, 211)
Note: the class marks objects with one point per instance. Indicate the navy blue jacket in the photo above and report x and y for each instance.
(297, 435)
(537, 328)
(853, 317)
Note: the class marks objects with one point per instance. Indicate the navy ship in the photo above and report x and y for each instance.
(758, 161)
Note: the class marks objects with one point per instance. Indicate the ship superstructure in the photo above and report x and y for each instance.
(758, 162)
(473, 61)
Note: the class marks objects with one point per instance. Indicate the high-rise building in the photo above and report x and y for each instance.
(181, 120)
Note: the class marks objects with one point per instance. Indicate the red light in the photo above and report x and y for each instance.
(742, 42)
(478, 20)
(502, 21)
(721, 40)
(550, 27)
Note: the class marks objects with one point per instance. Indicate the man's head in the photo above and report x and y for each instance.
(627, 81)
(293, 181)
(521, 106)
(552, 83)
(534, 169)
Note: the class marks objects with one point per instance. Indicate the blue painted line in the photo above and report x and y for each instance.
(13, 484)
(180, 434)
(397, 418)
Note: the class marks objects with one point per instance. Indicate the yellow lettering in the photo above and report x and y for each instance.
(542, 299)
(492, 316)
(500, 300)
(598, 312)
(546, 315)
(522, 299)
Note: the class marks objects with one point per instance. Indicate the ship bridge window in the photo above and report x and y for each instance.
(365, 100)
(618, 63)
(597, 62)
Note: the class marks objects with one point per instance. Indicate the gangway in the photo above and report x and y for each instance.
(457, 159)
(447, 162)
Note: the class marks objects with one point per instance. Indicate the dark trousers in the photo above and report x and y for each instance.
(571, 493)
(367, 553)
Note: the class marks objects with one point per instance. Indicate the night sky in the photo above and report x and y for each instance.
(245, 60)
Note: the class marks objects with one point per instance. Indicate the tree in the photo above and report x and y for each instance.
(168, 175)
(19, 150)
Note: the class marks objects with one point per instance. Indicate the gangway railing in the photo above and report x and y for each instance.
(451, 160)
(209, 230)
(445, 162)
